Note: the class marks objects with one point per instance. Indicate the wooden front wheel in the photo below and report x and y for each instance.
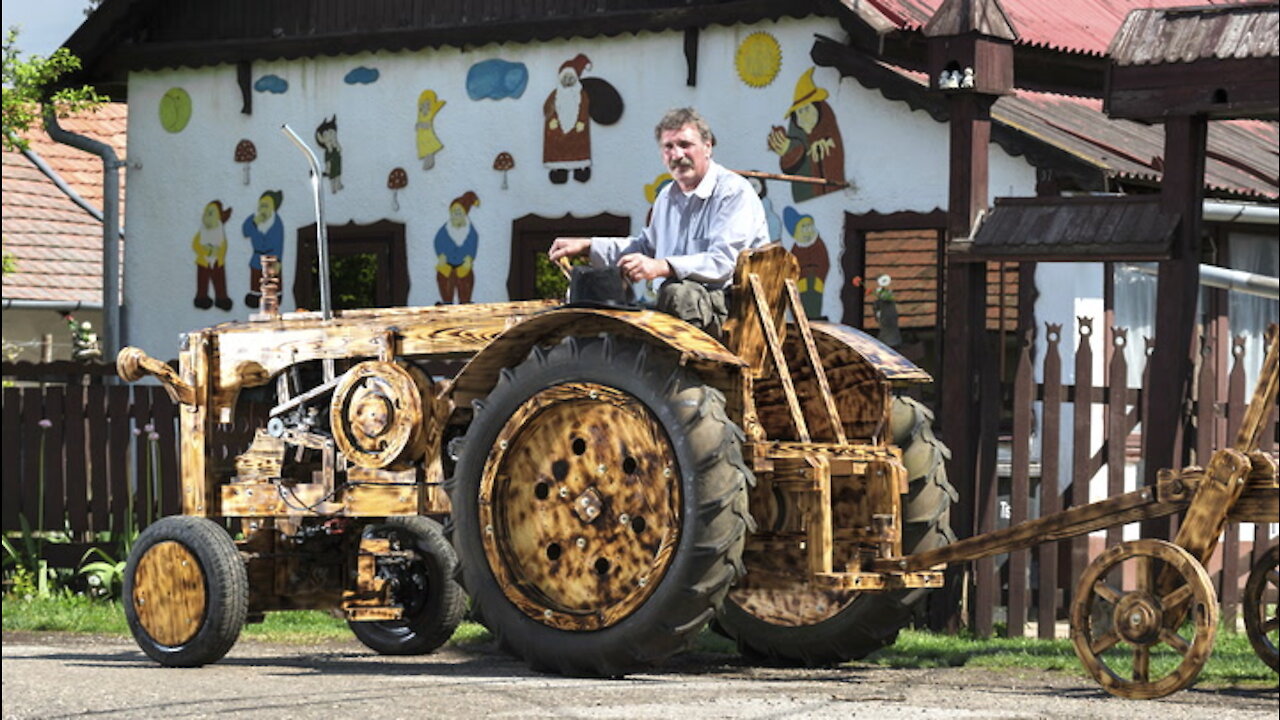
(186, 591)
(1261, 622)
(1136, 638)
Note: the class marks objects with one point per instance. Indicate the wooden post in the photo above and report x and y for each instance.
(1182, 192)
(965, 346)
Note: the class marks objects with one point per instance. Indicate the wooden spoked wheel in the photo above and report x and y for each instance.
(583, 506)
(1136, 639)
(377, 414)
(1261, 622)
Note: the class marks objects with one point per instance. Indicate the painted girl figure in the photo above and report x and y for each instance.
(428, 143)
(327, 138)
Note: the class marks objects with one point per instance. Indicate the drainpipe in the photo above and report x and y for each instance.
(1217, 211)
(58, 306)
(1229, 279)
(111, 165)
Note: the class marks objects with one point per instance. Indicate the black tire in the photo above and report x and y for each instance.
(711, 511)
(433, 601)
(220, 582)
(872, 620)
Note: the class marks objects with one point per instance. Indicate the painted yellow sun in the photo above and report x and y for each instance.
(759, 59)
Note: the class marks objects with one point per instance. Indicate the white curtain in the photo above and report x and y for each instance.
(1135, 310)
(1249, 314)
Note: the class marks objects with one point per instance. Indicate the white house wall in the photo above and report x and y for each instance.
(895, 159)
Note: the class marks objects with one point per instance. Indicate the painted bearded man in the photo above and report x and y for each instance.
(566, 127)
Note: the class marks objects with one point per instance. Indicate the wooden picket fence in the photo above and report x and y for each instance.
(88, 457)
(1037, 585)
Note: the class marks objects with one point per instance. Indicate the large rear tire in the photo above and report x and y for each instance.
(186, 592)
(599, 507)
(827, 627)
(433, 601)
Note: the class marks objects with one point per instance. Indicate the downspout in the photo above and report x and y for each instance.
(111, 165)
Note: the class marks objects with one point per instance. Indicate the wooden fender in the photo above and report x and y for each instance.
(704, 354)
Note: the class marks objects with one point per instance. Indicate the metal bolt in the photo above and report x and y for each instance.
(600, 469)
(624, 518)
(1135, 619)
(666, 471)
(643, 581)
(564, 492)
(502, 444)
(593, 394)
(591, 511)
(547, 613)
(488, 529)
(581, 542)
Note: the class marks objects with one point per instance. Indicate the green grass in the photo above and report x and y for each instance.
(78, 614)
(1232, 663)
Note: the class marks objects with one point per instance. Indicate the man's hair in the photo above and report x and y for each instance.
(677, 118)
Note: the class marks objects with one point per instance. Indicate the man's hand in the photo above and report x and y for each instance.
(569, 247)
(636, 267)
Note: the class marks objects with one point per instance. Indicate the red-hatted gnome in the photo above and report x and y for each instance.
(456, 245)
(210, 246)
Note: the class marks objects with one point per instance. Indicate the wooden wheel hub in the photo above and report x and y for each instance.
(580, 504)
(378, 413)
(1137, 618)
(169, 593)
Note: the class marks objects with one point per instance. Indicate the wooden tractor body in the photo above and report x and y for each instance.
(611, 480)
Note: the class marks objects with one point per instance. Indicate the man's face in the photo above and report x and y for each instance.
(568, 77)
(266, 211)
(457, 216)
(807, 117)
(686, 155)
(212, 218)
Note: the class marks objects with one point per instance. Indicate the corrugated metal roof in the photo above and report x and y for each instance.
(1242, 156)
(1151, 36)
(1072, 228)
(1084, 26)
(56, 243)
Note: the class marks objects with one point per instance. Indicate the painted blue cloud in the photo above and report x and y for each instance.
(272, 84)
(362, 76)
(497, 79)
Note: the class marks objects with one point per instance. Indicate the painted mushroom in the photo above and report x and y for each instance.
(504, 162)
(246, 153)
(397, 180)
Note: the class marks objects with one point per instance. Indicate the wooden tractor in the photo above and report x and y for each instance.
(607, 481)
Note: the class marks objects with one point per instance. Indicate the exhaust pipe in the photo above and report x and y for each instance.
(322, 233)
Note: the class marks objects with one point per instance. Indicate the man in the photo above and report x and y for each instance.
(456, 244)
(700, 224)
(265, 232)
(566, 125)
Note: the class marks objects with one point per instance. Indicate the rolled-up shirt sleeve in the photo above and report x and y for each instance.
(606, 251)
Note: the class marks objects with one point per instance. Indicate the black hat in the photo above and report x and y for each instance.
(600, 288)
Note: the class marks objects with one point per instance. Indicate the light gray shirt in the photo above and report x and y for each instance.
(699, 233)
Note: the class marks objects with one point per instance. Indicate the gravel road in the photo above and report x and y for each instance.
(55, 675)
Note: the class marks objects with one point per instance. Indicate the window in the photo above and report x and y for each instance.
(367, 267)
(532, 276)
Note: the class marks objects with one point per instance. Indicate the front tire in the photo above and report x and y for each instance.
(600, 507)
(433, 601)
(186, 592)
